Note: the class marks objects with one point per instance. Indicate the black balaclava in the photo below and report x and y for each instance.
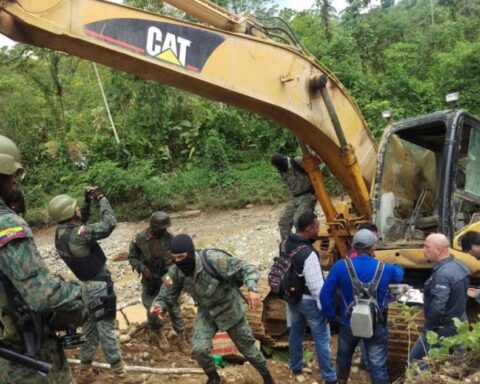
(180, 244)
(280, 162)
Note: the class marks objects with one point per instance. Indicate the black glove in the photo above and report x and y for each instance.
(88, 196)
(58, 321)
(97, 194)
(93, 193)
(334, 325)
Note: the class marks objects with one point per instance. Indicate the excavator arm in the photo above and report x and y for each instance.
(236, 64)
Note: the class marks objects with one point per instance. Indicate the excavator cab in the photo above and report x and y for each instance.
(427, 178)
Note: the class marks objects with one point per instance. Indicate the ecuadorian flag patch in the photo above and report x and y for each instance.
(11, 233)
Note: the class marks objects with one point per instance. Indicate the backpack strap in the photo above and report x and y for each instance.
(208, 267)
(291, 254)
(372, 290)
(356, 284)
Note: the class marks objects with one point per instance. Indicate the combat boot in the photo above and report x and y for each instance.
(120, 374)
(213, 377)
(268, 379)
(87, 373)
(157, 337)
(182, 342)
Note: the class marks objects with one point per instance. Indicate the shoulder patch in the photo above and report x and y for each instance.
(222, 263)
(167, 281)
(12, 233)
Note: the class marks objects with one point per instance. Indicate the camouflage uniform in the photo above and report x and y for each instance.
(79, 242)
(303, 196)
(154, 253)
(36, 289)
(220, 306)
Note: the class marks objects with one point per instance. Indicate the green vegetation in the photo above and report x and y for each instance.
(179, 151)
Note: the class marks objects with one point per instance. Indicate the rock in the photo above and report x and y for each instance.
(124, 338)
(249, 206)
(300, 378)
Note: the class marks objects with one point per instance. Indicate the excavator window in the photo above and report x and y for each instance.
(467, 179)
(409, 184)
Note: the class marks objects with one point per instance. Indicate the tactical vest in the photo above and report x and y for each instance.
(153, 251)
(86, 260)
(296, 179)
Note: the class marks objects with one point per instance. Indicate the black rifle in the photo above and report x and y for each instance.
(9, 354)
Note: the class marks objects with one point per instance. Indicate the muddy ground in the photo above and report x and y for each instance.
(250, 233)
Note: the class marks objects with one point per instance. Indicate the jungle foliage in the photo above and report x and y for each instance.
(178, 151)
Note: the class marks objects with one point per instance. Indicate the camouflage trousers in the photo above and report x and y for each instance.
(292, 210)
(51, 352)
(148, 295)
(99, 332)
(241, 334)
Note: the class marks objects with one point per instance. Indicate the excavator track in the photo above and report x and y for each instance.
(268, 322)
(405, 324)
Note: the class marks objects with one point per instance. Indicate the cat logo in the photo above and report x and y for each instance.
(167, 47)
(176, 44)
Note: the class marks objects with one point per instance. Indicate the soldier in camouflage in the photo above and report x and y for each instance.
(220, 306)
(76, 243)
(28, 288)
(149, 255)
(298, 183)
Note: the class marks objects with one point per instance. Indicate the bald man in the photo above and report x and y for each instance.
(444, 295)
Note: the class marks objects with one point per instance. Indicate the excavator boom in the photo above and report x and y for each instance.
(237, 64)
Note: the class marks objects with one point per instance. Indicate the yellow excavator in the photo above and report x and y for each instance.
(423, 177)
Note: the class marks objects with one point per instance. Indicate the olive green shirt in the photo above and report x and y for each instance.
(221, 300)
(148, 251)
(35, 287)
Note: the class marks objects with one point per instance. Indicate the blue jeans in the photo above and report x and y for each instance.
(303, 313)
(376, 348)
(421, 347)
(419, 351)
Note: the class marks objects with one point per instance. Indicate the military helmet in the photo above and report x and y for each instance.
(62, 207)
(159, 220)
(9, 156)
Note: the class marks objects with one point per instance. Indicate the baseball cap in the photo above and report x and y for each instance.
(364, 238)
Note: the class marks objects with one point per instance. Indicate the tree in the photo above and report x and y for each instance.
(326, 10)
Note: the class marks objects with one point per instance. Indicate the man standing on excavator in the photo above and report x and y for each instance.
(149, 255)
(298, 183)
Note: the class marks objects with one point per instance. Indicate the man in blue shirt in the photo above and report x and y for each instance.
(365, 266)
